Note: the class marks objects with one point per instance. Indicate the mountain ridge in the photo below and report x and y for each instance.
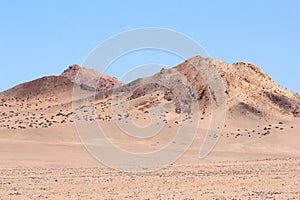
(249, 91)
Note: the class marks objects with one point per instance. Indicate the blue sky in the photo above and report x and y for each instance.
(39, 38)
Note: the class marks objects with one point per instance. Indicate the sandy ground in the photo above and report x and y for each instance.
(52, 164)
(41, 157)
(265, 179)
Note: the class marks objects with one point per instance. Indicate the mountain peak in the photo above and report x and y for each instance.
(254, 68)
(71, 72)
(248, 89)
(90, 79)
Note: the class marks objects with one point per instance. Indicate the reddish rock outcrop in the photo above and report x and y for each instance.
(90, 79)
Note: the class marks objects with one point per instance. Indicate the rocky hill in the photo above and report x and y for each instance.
(88, 77)
(46, 86)
(249, 91)
(62, 85)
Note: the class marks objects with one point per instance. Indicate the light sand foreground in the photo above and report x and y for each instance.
(264, 179)
(53, 164)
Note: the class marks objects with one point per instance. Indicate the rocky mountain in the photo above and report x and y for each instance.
(248, 90)
(90, 79)
(62, 85)
(46, 86)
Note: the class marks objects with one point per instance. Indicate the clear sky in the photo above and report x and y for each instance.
(39, 38)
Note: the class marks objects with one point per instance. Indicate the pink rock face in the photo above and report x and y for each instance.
(105, 83)
(89, 78)
(71, 72)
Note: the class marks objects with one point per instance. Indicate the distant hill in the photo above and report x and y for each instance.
(62, 85)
